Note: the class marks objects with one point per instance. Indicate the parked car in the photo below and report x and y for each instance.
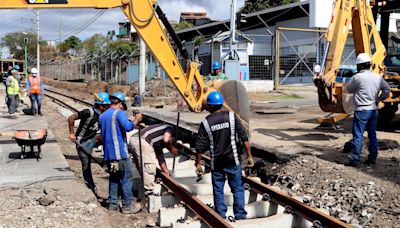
(392, 63)
(345, 72)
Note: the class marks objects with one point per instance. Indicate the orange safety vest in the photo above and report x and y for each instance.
(34, 85)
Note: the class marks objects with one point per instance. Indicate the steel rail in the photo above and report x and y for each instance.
(70, 97)
(62, 103)
(207, 214)
(210, 217)
(298, 208)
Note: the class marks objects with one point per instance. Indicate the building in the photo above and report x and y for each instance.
(291, 35)
(195, 18)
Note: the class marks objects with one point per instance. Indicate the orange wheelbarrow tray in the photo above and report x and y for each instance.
(31, 139)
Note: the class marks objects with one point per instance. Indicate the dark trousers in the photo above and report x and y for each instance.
(234, 176)
(86, 161)
(12, 103)
(365, 121)
(36, 98)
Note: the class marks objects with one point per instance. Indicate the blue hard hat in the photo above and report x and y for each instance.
(216, 65)
(215, 98)
(102, 98)
(16, 67)
(121, 97)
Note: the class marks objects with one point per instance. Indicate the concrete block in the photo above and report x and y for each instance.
(168, 216)
(278, 220)
(257, 209)
(191, 224)
(155, 203)
(250, 197)
(258, 85)
(193, 179)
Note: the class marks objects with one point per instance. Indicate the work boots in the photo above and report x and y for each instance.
(133, 209)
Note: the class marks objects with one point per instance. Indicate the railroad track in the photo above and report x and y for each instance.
(190, 205)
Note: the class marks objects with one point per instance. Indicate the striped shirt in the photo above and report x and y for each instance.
(154, 134)
(217, 134)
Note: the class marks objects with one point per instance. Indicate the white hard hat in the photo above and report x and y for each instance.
(363, 58)
(34, 71)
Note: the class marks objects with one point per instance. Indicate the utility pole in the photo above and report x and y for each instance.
(38, 39)
(61, 29)
(232, 40)
(142, 68)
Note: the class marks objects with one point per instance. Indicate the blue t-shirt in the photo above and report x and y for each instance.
(114, 125)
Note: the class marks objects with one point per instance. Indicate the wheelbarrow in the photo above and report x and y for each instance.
(31, 139)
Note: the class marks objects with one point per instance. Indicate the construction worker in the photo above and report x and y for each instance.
(85, 136)
(6, 74)
(215, 79)
(35, 89)
(217, 134)
(154, 139)
(366, 86)
(114, 124)
(12, 93)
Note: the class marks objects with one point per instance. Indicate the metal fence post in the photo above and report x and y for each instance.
(277, 58)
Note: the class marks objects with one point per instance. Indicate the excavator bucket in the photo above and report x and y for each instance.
(236, 100)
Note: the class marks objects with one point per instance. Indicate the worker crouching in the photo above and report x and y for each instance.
(217, 134)
(114, 124)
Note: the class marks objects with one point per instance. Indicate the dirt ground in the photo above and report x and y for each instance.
(105, 218)
(311, 158)
(309, 167)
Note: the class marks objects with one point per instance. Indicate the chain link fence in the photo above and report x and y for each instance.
(298, 50)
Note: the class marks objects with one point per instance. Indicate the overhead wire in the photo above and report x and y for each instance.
(85, 25)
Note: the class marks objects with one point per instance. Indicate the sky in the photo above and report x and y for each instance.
(72, 20)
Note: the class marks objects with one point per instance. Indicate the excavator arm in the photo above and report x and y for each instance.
(358, 14)
(143, 16)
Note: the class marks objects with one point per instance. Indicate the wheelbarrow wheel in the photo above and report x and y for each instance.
(22, 152)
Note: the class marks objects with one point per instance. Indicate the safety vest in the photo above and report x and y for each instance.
(34, 85)
(13, 88)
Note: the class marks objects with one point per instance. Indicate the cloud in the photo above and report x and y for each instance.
(68, 21)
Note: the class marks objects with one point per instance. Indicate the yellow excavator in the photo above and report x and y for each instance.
(331, 94)
(147, 17)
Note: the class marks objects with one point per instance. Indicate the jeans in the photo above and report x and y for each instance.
(365, 120)
(86, 160)
(35, 98)
(121, 181)
(234, 175)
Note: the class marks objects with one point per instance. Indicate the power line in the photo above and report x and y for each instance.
(86, 24)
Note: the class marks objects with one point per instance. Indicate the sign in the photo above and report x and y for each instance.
(47, 1)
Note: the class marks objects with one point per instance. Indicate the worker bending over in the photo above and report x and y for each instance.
(154, 139)
(35, 90)
(217, 134)
(85, 136)
(366, 86)
(114, 124)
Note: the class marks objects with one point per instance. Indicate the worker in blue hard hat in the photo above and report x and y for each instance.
(86, 134)
(217, 134)
(114, 124)
(217, 73)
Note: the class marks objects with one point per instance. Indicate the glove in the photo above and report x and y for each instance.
(114, 167)
(199, 170)
(380, 105)
(249, 162)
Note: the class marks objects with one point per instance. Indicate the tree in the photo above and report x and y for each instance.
(197, 42)
(122, 47)
(183, 25)
(72, 42)
(15, 43)
(257, 5)
(96, 44)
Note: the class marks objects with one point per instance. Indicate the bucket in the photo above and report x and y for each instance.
(137, 101)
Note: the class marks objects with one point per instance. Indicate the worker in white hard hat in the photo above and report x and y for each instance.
(366, 86)
(35, 90)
